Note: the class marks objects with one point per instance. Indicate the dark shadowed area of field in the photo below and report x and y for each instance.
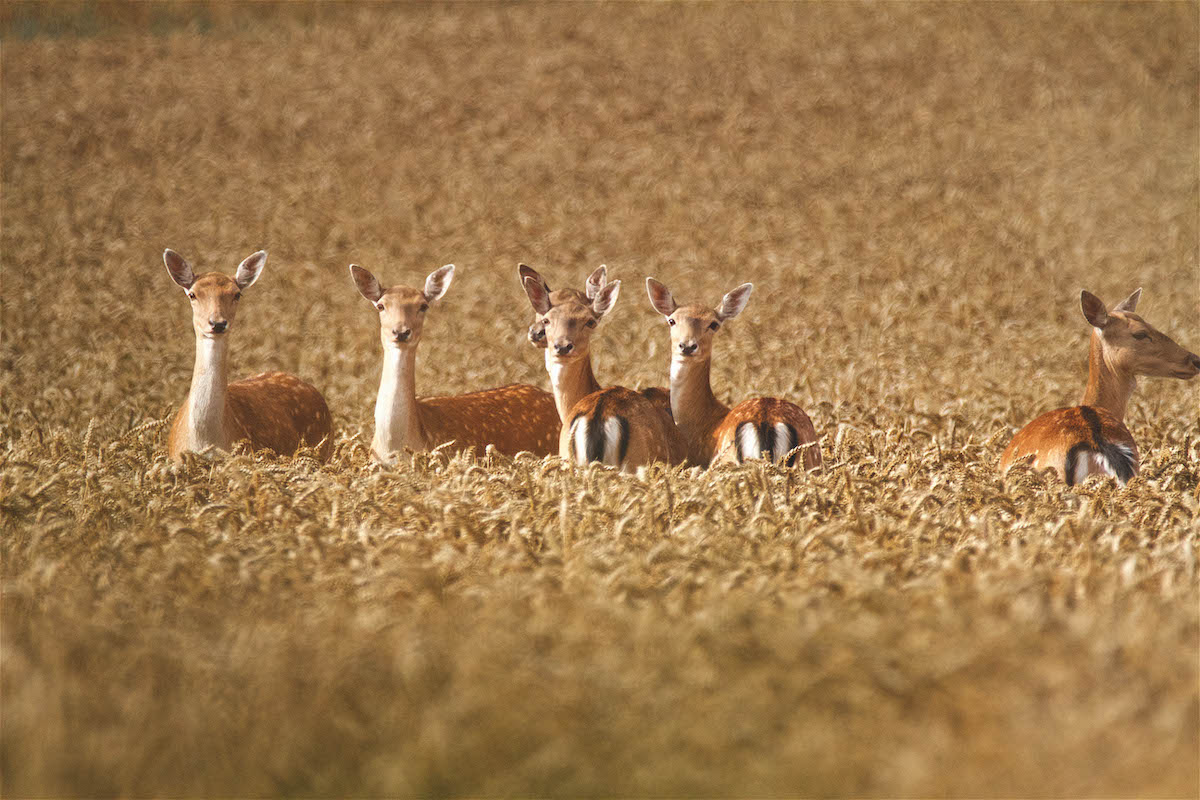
(917, 191)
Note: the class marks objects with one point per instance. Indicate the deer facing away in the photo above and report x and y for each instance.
(273, 411)
(1091, 438)
(512, 418)
(713, 431)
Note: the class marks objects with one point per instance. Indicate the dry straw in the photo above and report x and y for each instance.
(917, 192)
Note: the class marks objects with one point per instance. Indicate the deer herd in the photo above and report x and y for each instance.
(582, 421)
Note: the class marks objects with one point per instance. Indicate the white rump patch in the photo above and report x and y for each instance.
(579, 433)
(612, 441)
(783, 442)
(748, 445)
(1093, 463)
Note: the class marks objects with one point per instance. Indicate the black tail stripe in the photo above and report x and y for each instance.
(766, 439)
(623, 441)
(737, 441)
(1093, 420)
(1118, 458)
(595, 433)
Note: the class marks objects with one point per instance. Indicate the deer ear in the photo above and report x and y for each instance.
(596, 282)
(733, 303)
(1093, 309)
(181, 270)
(606, 298)
(249, 270)
(660, 297)
(539, 297)
(368, 284)
(524, 272)
(1129, 303)
(438, 282)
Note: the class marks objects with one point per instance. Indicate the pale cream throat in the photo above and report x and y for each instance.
(397, 413)
(208, 394)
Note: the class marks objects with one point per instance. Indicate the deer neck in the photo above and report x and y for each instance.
(397, 415)
(571, 380)
(1108, 387)
(696, 409)
(208, 420)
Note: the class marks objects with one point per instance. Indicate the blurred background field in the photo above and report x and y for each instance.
(918, 192)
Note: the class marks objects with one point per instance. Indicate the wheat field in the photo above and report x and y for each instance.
(918, 192)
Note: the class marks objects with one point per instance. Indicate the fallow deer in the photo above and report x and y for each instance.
(595, 282)
(616, 426)
(713, 431)
(1091, 439)
(512, 418)
(274, 410)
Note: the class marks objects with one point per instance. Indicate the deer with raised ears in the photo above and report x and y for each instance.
(274, 410)
(514, 419)
(595, 282)
(713, 431)
(617, 427)
(1091, 439)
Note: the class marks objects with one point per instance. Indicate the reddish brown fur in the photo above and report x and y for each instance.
(770, 410)
(514, 418)
(1052, 435)
(659, 396)
(569, 325)
(1122, 347)
(708, 426)
(272, 411)
(652, 433)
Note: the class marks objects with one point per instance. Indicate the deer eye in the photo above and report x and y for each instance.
(424, 307)
(591, 323)
(191, 295)
(1141, 335)
(670, 321)
(379, 306)
(237, 296)
(714, 326)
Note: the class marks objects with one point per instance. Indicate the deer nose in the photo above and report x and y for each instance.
(687, 348)
(401, 334)
(219, 326)
(563, 349)
(1195, 360)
